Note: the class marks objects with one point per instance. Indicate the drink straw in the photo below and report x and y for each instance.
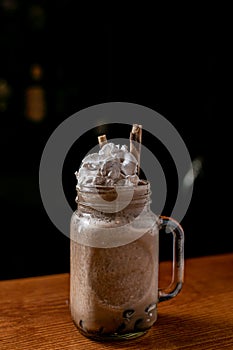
(102, 139)
(135, 143)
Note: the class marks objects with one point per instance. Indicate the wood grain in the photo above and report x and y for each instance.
(34, 312)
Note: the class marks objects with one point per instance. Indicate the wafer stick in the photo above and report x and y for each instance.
(135, 143)
(102, 139)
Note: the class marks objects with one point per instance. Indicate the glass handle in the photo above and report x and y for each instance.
(178, 258)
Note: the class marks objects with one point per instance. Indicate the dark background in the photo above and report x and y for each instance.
(177, 65)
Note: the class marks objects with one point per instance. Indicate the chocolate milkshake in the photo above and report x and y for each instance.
(114, 248)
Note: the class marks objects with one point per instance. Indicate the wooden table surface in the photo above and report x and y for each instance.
(34, 312)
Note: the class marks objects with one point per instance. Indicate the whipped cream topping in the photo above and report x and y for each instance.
(112, 165)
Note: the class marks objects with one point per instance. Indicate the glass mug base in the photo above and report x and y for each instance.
(125, 324)
(115, 336)
(100, 336)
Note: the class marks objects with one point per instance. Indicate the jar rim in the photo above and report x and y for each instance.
(141, 184)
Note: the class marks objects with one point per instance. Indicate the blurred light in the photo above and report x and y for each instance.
(35, 106)
(193, 172)
(35, 96)
(9, 5)
(37, 17)
(36, 71)
(5, 92)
